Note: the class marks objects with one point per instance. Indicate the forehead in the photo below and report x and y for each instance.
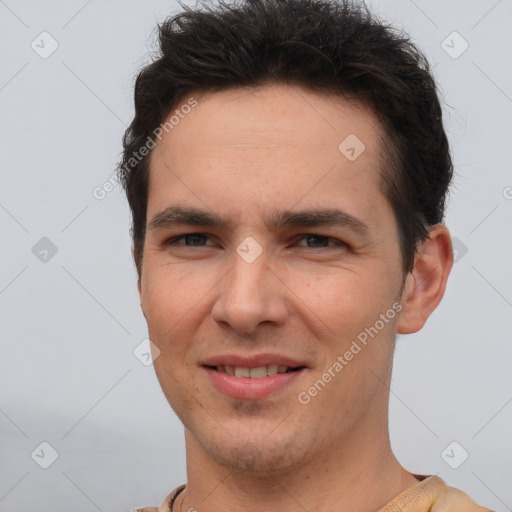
(272, 143)
(270, 115)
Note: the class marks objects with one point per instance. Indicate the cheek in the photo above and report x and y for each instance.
(171, 299)
(169, 295)
(344, 301)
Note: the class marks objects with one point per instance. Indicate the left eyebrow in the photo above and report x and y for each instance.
(315, 217)
(180, 215)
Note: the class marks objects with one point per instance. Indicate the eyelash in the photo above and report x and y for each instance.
(337, 242)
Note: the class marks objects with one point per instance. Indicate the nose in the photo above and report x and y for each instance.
(250, 294)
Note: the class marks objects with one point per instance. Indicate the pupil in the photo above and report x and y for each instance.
(194, 238)
(322, 239)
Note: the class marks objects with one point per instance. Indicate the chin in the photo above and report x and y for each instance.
(257, 457)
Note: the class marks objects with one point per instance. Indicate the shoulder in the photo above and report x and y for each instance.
(166, 505)
(433, 494)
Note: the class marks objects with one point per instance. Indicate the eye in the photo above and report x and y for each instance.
(314, 241)
(190, 239)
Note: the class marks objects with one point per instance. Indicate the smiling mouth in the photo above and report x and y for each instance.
(254, 373)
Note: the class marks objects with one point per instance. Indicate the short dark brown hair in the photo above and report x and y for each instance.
(333, 47)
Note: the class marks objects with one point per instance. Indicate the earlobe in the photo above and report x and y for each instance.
(426, 282)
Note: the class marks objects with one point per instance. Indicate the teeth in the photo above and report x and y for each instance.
(242, 372)
(253, 373)
(258, 373)
(272, 369)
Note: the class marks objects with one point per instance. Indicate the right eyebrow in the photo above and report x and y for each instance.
(179, 215)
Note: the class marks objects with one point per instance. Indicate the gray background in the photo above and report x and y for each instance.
(70, 321)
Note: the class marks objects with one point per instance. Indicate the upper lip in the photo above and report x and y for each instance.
(253, 361)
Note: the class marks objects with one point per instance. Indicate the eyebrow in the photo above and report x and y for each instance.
(180, 215)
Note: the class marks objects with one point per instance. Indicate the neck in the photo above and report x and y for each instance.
(361, 473)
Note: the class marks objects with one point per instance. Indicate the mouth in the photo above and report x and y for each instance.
(258, 372)
(253, 376)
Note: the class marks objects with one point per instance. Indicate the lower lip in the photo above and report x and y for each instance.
(251, 389)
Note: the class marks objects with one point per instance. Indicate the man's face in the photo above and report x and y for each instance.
(289, 290)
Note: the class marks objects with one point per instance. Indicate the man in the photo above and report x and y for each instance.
(287, 169)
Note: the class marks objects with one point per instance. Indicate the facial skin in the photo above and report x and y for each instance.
(244, 155)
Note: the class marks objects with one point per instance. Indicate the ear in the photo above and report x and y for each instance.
(425, 284)
(139, 285)
(139, 288)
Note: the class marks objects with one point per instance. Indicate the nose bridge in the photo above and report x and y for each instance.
(248, 277)
(249, 271)
(249, 294)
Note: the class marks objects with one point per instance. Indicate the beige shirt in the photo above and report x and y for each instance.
(430, 494)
